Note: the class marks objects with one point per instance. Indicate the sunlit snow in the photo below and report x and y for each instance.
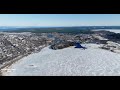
(68, 62)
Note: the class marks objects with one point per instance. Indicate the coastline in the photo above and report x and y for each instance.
(9, 63)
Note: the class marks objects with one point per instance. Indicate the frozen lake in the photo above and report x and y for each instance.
(67, 62)
(111, 30)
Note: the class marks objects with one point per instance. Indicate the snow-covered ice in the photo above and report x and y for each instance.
(70, 61)
(111, 30)
(114, 30)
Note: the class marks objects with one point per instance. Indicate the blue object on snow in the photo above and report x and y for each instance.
(79, 46)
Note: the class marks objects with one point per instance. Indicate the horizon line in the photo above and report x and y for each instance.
(62, 26)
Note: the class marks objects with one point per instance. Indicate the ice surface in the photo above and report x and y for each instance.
(114, 30)
(71, 61)
(111, 30)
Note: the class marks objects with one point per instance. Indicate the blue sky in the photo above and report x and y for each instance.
(59, 19)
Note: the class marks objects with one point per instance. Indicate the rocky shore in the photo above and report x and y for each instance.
(15, 45)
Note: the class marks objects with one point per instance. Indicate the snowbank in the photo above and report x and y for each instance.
(67, 62)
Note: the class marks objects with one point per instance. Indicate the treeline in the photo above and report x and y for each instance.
(50, 30)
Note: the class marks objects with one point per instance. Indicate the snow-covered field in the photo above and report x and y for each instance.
(67, 62)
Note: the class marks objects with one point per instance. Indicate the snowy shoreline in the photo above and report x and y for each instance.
(11, 62)
(67, 62)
